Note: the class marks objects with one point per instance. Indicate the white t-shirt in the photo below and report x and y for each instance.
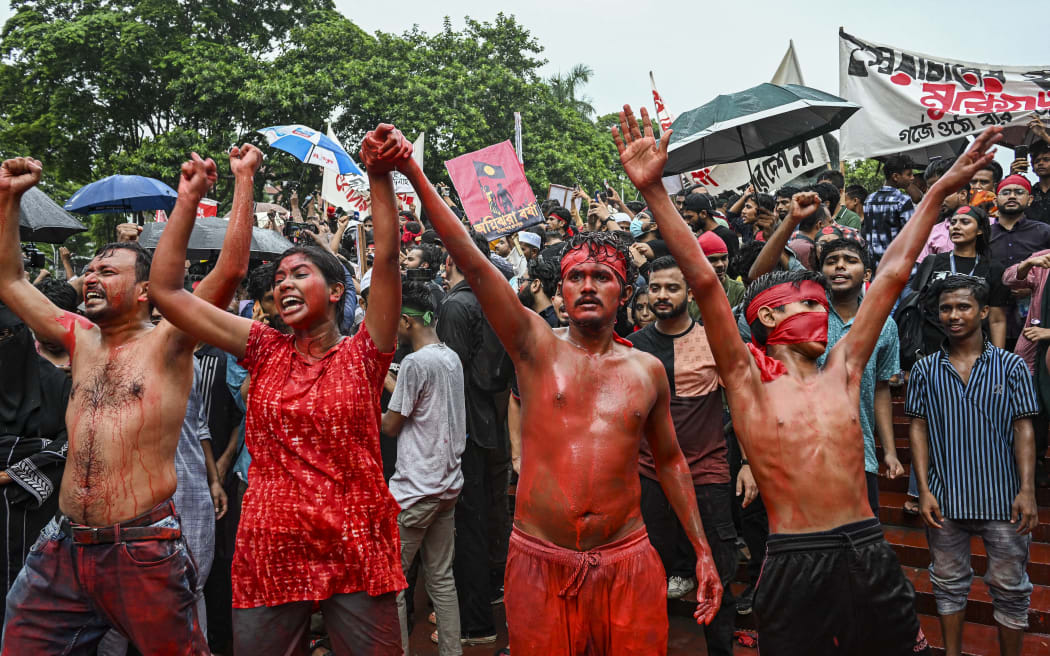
(429, 394)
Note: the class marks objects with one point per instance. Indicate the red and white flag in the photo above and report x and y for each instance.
(662, 116)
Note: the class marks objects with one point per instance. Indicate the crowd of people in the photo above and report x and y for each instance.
(580, 420)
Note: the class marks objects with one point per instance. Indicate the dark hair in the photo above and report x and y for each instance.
(548, 205)
(416, 294)
(996, 169)
(765, 201)
(1037, 148)
(143, 259)
(59, 292)
(845, 245)
(745, 256)
(481, 242)
(595, 242)
(635, 205)
(857, 192)
(430, 254)
(562, 214)
(663, 263)
(786, 191)
(833, 177)
(327, 263)
(413, 227)
(956, 282)
(547, 273)
(896, 164)
(984, 226)
(810, 221)
(772, 279)
(937, 168)
(828, 193)
(260, 281)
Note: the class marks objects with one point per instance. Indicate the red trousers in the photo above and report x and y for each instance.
(610, 601)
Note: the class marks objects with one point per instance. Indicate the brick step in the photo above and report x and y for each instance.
(979, 605)
(891, 513)
(910, 545)
(980, 639)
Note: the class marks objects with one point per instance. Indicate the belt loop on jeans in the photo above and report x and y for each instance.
(584, 562)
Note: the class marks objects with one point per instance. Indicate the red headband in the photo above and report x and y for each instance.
(712, 244)
(1015, 180)
(605, 255)
(787, 292)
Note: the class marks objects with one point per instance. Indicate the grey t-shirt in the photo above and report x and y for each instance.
(429, 394)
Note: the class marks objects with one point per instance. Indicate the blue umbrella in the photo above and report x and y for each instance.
(311, 147)
(122, 193)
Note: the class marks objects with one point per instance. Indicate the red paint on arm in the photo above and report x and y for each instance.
(70, 321)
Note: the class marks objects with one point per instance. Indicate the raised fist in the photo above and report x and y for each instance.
(198, 176)
(245, 160)
(385, 149)
(19, 174)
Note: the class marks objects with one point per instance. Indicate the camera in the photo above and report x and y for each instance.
(32, 258)
(294, 232)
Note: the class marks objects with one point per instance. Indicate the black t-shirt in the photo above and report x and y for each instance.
(981, 266)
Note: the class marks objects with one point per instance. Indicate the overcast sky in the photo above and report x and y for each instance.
(700, 49)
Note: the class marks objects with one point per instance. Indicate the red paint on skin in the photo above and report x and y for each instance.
(70, 322)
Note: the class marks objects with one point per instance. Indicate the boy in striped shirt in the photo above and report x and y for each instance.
(973, 450)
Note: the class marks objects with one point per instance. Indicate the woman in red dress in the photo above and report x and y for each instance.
(319, 527)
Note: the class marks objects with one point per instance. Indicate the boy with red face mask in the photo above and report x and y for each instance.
(581, 575)
(830, 583)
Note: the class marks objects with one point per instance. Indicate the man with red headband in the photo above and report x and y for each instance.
(1015, 236)
(581, 575)
(830, 583)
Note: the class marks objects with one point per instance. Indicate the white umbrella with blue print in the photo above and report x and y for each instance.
(311, 147)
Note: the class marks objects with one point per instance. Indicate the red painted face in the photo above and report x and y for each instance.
(592, 294)
(301, 294)
(110, 290)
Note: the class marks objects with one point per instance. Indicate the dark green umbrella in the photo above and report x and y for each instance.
(208, 235)
(42, 219)
(757, 122)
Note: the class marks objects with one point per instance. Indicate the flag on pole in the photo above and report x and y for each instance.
(662, 116)
(417, 148)
(517, 138)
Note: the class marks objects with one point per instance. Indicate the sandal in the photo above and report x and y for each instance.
(747, 639)
(911, 507)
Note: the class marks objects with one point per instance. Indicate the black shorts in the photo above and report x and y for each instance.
(838, 592)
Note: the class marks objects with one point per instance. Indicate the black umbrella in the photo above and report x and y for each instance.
(42, 219)
(208, 235)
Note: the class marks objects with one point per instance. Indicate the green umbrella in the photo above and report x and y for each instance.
(757, 122)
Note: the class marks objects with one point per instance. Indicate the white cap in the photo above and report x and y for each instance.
(621, 217)
(530, 238)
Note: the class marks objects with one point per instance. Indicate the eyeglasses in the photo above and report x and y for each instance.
(523, 281)
(1021, 191)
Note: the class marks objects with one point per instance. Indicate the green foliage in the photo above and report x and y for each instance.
(133, 86)
(866, 173)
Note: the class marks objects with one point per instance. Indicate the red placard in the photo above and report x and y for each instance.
(207, 207)
(496, 196)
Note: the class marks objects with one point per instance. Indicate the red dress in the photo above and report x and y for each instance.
(318, 519)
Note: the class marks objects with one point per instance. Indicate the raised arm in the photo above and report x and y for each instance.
(41, 315)
(195, 314)
(896, 264)
(513, 323)
(677, 482)
(382, 151)
(643, 160)
(802, 205)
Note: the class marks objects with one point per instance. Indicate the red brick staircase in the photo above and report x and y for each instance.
(907, 535)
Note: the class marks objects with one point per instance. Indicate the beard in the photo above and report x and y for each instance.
(527, 298)
(675, 311)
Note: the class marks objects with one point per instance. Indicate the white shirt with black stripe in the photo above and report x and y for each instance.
(972, 470)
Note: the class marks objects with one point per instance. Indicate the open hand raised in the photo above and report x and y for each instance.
(973, 160)
(19, 174)
(245, 160)
(385, 149)
(198, 176)
(642, 156)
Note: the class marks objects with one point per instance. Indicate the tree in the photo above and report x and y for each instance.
(866, 173)
(565, 86)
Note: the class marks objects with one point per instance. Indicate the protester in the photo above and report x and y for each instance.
(427, 415)
(940, 241)
(115, 502)
(987, 178)
(717, 254)
(975, 464)
(698, 211)
(853, 200)
(1015, 236)
(681, 346)
(889, 208)
(835, 196)
(315, 453)
(581, 570)
(816, 496)
(1039, 153)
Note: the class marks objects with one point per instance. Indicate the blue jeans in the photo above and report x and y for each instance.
(1007, 575)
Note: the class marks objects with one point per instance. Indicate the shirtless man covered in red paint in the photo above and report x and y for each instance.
(581, 575)
(114, 555)
(830, 583)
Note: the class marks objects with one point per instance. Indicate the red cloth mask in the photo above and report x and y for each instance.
(798, 328)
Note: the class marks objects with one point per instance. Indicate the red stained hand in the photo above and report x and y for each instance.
(198, 176)
(385, 149)
(19, 174)
(642, 156)
(972, 161)
(708, 588)
(245, 160)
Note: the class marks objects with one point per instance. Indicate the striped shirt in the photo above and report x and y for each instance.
(885, 213)
(972, 471)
